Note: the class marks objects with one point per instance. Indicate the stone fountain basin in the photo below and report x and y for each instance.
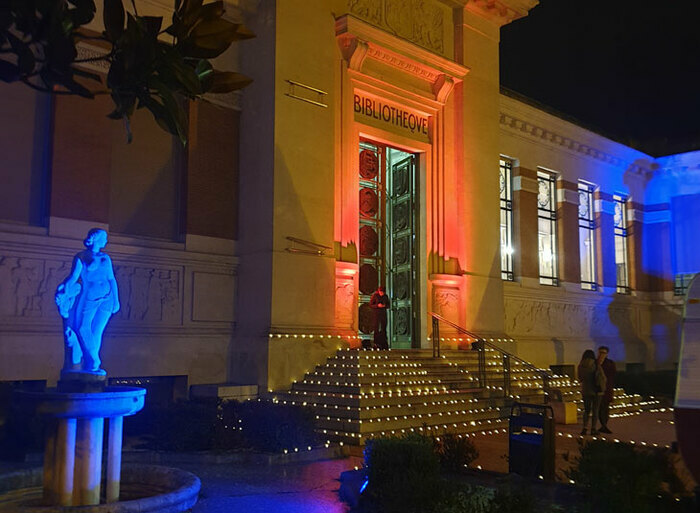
(114, 401)
(144, 489)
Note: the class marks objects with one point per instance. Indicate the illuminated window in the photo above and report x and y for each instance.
(506, 167)
(547, 228)
(620, 221)
(681, 283)
(586, 236)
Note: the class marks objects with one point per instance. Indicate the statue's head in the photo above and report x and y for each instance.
(96, 238)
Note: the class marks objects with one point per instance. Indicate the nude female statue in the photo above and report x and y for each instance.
(86, 300)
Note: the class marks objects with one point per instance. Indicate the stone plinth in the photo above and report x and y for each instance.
(74, 445)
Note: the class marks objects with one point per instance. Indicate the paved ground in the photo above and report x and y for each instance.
(312, 487)
(307, 487)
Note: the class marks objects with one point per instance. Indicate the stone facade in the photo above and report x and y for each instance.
(252, 276)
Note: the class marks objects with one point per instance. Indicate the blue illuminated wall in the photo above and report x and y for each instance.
(676, 184)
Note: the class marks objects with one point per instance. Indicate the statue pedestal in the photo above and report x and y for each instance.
(79, 381)
(73, 453)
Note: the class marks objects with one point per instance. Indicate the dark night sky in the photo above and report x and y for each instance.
(628, 69)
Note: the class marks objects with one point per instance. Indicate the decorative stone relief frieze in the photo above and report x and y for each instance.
(28, 286)
(527, 129)
(149, 294)
(419, 21)
(557, 319)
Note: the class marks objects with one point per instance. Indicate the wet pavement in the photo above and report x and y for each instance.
(302, 487)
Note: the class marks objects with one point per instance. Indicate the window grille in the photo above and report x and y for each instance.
(547, 228)
(586, 236)
(506, 185)
(621, 266)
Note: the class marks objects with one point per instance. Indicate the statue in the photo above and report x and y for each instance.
(86, 300)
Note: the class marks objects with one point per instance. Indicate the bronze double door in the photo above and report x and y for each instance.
(388, 240)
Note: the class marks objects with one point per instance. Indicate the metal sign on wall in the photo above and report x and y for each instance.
(391, 117)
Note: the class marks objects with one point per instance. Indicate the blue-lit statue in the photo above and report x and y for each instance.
(86, 300)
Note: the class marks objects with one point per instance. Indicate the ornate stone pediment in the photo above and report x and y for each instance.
(359, 42)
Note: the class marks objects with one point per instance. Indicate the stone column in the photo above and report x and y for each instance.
(59, 462)
(605, 240)
(638, 279)
(114, 458)
(525, 256)
(567, 232)
(88, 464)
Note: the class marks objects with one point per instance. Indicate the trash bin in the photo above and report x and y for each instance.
(564, 411)
(531, 440)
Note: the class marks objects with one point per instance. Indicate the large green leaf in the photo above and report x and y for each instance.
(113, 17)
(227, 81)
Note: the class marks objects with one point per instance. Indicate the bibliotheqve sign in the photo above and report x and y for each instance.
(385, 115)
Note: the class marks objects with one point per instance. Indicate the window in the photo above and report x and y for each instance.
(547, 228)
(586, 236)
(682, 281)
(620, 221)
(506, 167)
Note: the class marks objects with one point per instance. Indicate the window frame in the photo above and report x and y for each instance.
(505, 173)
(586, 221)
(548, 215)
(620, 234)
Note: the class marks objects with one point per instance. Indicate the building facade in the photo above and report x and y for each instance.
(374, 147)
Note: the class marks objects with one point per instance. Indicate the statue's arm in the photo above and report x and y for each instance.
(75, 272)
(114, 289)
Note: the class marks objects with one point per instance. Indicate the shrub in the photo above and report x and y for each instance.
(619, 477)
(272, 427)
(200, 425)
(403, 474)
(455, 453)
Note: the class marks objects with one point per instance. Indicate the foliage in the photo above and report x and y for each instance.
(455, 453)
(471, 499)
(200, 425)
(619, 477)
(660, 383)
(403, 474)
(38, 41)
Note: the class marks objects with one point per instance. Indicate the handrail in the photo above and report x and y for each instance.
(316, 248)
(482, 342)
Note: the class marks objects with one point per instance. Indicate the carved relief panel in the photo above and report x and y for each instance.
(423, 22)
(149, 293)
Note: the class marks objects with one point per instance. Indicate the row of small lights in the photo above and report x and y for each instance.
(427, 391)
(405, 417)
(439, 427)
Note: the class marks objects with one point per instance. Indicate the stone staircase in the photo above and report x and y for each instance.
(360, 394)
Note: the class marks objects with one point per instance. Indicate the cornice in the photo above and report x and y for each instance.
(548, 136)
(388, 47)
(500, 12)
(359, 41)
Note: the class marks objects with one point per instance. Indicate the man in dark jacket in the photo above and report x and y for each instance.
(379, 302)
(609, 369)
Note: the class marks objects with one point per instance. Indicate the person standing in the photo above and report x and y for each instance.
(380, 303)
(591, 377)
(609, 370)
